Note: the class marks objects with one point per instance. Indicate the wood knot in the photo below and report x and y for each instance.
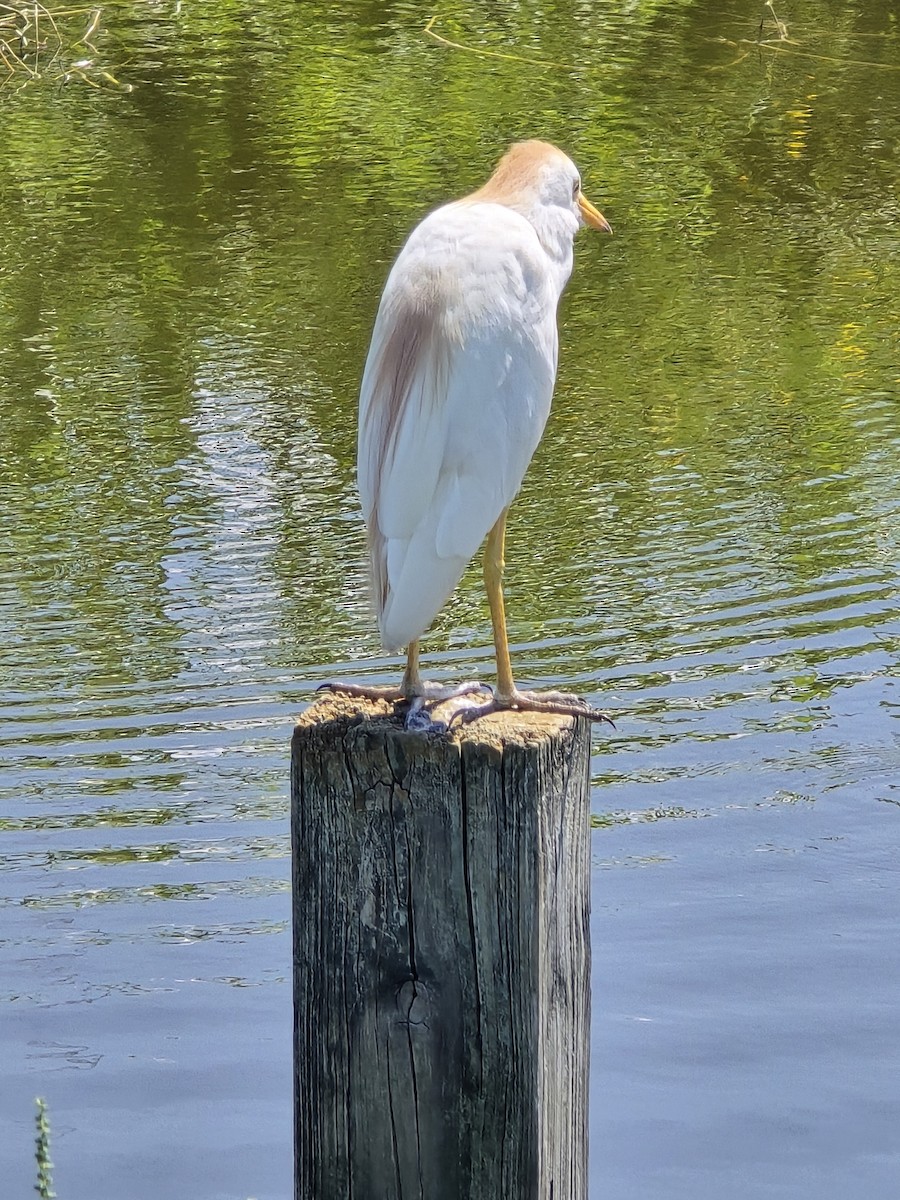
(413, 1002)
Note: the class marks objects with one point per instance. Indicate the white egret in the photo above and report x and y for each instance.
(455, 396)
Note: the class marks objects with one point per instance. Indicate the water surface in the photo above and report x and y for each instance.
(706, 545)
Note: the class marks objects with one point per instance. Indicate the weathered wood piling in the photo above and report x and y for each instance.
(441, 898)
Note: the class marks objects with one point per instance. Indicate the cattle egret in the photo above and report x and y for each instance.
(455, 396)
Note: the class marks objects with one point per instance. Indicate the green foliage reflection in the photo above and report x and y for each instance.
(191, 270)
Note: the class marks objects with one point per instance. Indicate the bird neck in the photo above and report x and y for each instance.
(556, 231)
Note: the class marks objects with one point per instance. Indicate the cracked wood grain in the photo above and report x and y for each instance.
(441, 957)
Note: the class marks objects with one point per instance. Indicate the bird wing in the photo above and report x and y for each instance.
(454, 399)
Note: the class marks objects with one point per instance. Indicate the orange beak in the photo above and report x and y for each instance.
(592, 216)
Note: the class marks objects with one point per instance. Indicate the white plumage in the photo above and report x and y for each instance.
(458, 381)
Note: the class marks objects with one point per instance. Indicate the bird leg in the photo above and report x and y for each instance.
(507, 695)
(419, 696)
(411, 684)
(422, 698)
(494, 565)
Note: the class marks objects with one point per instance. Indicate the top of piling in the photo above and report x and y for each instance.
(496, 729)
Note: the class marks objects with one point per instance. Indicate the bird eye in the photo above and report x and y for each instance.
(576, 188)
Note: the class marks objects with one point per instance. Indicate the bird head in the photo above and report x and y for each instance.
(543, 184)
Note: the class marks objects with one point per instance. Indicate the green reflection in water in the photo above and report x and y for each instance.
(191, 272)
(189, 813)
(249, 888)
(608, 819)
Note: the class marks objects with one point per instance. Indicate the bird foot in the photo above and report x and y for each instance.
(565, 704)
(427, 699)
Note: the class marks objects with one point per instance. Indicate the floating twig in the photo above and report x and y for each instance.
(33, 47)
(429, 31)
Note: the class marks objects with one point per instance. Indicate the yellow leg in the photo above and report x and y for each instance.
(411, 684)
(493, 583)
(419, 695)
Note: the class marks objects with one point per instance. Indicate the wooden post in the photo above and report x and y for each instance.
(441, 899)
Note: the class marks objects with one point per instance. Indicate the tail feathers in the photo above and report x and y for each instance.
(418, 583)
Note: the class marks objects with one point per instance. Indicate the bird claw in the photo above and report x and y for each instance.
(363, 692)
(565, 704)
(419, 708)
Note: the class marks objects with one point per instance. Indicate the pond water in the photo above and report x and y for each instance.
(200, 203)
